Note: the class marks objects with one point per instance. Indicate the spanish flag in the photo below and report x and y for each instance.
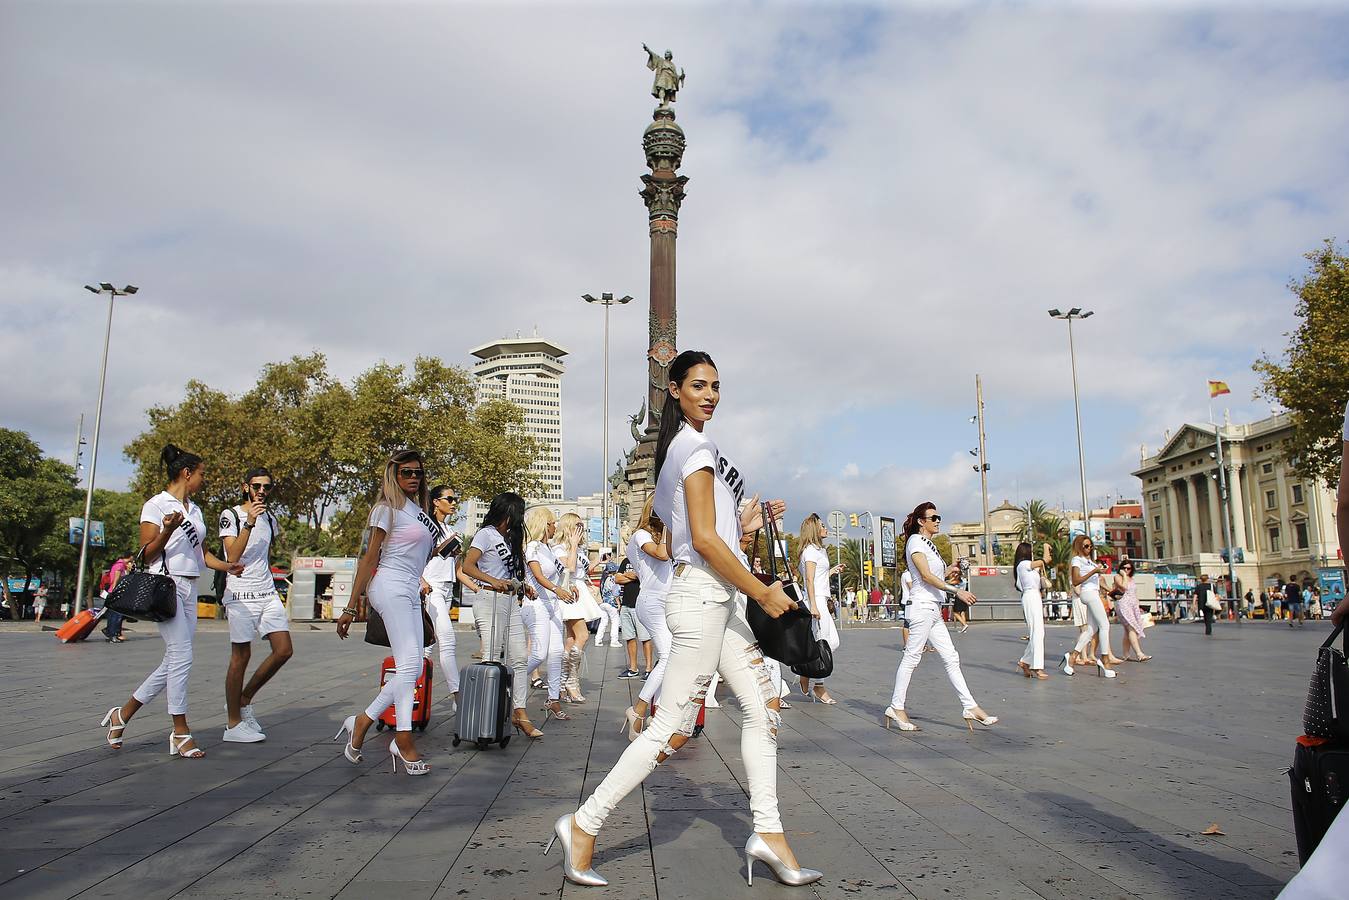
(1217, 389)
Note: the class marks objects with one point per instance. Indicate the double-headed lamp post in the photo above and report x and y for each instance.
(1077, 313)
(606, 300)
(113, 293)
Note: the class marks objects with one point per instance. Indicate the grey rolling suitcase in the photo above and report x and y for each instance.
(484, 701)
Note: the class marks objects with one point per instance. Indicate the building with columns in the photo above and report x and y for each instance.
(1282, 526)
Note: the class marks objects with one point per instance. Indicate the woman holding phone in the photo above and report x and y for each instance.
(542, 615)
(438, 580)
(570, 552)
(1085, 574)
(698, 492)
(930, 574)
(1130, 613)
(1027, 573)
(815, 571)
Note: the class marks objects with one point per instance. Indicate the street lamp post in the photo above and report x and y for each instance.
(982, 468)
(113, 293)
(1077, 313)
(606, 300)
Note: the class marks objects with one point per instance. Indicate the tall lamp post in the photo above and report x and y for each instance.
(113, 293)
(606, 300)
(1077, 313)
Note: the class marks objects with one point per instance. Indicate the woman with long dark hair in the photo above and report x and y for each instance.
(1026, 572)
(172, 530)
(698, 492)
(1130, 613)
(496, 558)
(438, 580)
(389, 577)
(930, 587)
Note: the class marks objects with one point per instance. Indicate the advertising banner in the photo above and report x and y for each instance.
(887, 542)
(96, 538)
(1332, 586)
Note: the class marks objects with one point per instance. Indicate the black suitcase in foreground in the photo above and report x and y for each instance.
(1320, 783)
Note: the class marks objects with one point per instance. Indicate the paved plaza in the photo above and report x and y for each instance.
(1087, 788)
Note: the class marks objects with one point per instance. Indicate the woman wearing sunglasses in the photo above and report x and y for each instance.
(438, 585)
(1129, 612)
(930, 572)
(389, 574)
(1085, 575)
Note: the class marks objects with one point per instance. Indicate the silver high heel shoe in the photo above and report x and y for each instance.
(562, 832)
(757, 848)
(348, 728)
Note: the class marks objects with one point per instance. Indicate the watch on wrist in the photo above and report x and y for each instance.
(248, 524)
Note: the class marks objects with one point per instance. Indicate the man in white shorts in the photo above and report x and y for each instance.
(252, 605)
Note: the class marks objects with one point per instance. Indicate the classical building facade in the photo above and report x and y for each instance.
(528, 372)
(1006, 522)
(1282, 526)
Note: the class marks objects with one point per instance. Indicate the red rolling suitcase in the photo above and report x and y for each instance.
(421, 698)
(80, 626)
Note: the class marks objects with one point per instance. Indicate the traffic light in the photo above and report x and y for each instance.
(866, 568)
(853, 520)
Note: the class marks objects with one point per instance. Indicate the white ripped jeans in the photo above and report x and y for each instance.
(438, 604)
(1033, 608)
(503, 629)
(926, 626)
(543, 620)
(176, 665)
(1097, 622)
(398, 600)
(651, 613)
(707, 636)
(609, 622)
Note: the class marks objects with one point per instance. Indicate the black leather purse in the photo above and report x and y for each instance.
(140, 594)
(1326, 714)
(788, 638)
(376, 633)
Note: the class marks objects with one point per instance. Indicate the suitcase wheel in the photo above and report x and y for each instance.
(456, 740)
(483, 745)
(422, 728)
(379, 724)
(504, 741)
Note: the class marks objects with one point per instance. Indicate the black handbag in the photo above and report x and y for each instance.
(1326, 714)
(141, 594)
(377, 634)
(789, 638)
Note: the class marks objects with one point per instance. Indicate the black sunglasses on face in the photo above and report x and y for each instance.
(932, 518)
(410, 473)
(261, 488)
(449, 499)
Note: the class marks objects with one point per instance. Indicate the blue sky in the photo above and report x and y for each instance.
(884, 200)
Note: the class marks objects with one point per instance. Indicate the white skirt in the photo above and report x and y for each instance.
(585, 606)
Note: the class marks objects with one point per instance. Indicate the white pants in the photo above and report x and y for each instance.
(608, 620)
(397, 598)
(505, 635)
(926, 626)
(438, 604)
(708, 635)
(651, 613)
(1097, 622)
(1032, 607)
(543, 620)
(176, 665)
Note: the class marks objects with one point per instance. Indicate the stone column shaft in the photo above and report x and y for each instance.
(1214, 515)
(1192, 506)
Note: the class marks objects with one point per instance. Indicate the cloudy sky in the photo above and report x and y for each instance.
(884, 200)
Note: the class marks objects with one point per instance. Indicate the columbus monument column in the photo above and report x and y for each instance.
(662, 192)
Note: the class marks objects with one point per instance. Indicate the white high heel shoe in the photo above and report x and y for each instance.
(632, 724)
(970, 718)
(1067, 664)
(411, 766)
(562, 832)
(176, 742)
(114, 740)
(348, 728)
(902, 724)
(757, 848)
(1102, 670)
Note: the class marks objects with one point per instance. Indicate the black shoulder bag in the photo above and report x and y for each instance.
(1327, 712)
(788, 638)
(141, 594)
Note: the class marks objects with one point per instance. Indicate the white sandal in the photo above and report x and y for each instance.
(114, 740)
(176, 742)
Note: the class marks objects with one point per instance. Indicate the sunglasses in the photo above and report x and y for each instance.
(932, 518)
(448, 499)
(262, 488)
(410, 473)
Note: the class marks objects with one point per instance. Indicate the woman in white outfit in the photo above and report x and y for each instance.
(1027, 574)
(389, 577)
(649, 550)
(496, 558)
(1085, 575)
(815, 572)
(172, 530)
(570, 552)
(438, 580)
(609, 601)
(697, 493)
(543, 615)
(925, 622)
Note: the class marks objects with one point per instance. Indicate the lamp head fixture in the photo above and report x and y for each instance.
(106, 286)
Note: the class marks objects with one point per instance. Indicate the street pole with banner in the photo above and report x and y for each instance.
(836, 522)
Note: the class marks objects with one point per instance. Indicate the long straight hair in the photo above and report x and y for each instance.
(507, 515)
(911, 521)
(650, 522)
(671, 417)
(1024, 551)
(536, 522)
(390, 494)
(810, 532)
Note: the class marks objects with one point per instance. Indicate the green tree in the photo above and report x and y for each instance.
(35, 500)
(1312, 379)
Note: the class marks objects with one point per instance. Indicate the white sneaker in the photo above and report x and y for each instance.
(243, 733)
(246, 713)
(615, 644)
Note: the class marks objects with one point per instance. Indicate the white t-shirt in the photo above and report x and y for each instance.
(541, 553)
(1083, 566)
(183, 552)
(497, 557)
(689, 452)
(407, 541)
(920, 591)
(817, 555)
(905, 587)
(1027, 579)
(440, 569)
(654, 575)
(257, 577)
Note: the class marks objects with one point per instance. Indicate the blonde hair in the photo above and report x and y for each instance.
(810, 531)
(649, 520)
(537, 519)
(390, 494)
(1078, 542)
(566, 528)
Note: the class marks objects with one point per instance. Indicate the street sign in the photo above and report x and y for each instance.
(837, 520)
